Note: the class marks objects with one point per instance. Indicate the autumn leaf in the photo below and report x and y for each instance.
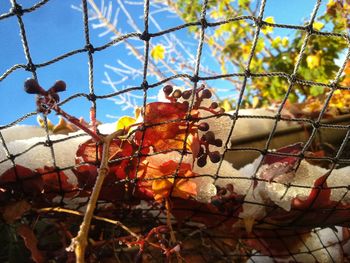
(55, 182)
(313, 61)
(125, 122)
(317, 25)
(166, 127)
(268, 29)
(159, 180)
(19, 179)
(158, 52)
(122, 166)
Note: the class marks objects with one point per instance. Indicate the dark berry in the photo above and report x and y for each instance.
(31, 86)
(209, 137)
(206, 94)
(221, 111)
(186, 94)
(186, 104)
(218, 142)
(177, 93)
(214, 157)
(202, 161)
(214, 105)
(58, 86)
(203, 126)
(167, 90)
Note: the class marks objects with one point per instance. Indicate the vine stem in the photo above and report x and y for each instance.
(78, 213)
(171, 230)
(79, 243)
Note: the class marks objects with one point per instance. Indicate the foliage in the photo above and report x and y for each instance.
(231, 45)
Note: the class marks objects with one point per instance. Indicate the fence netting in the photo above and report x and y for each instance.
(263, 197)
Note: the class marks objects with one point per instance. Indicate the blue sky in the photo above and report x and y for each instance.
(56, 28)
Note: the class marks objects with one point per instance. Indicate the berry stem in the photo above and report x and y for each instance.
(77, 123)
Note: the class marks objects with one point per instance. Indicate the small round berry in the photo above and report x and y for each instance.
(214, 157)
(218, 142)
(186, 104)
(209, 137)
(59, 86)
(214, 105)
(167, 90)
(31, 86)
(177, 93)
(186, 94)
(204, 126)
(202, 161)
(221, 111)
(206, 94)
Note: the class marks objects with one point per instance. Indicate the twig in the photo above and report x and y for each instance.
(171, 230)
(100, 218)
(79, 243)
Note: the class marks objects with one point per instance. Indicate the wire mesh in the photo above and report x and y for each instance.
(200, 243)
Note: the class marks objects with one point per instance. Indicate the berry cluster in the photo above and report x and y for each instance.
(209, 137)
(46, 98)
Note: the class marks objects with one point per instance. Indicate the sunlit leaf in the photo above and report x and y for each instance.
(313, 61)
(158, 52)
(318, 25)
(125, 122)
(268, 29)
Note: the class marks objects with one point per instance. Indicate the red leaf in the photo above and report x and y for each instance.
(21, 180)
(55, 182)
(276, 165)
(31, 242)
(318, 198)
(294, 149)
(122, 166)
(169, 135)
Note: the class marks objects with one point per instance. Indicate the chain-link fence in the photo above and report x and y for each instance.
(289, 204)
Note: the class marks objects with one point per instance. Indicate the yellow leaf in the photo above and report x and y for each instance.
(62, 127)
(268, 29)
(285, 42)
(245, 51)
(42, 124)
(313, 61)
(226, 105)
(276, 42)
(158, 52)
(256, 102)
(124, 122)
(318, 25)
